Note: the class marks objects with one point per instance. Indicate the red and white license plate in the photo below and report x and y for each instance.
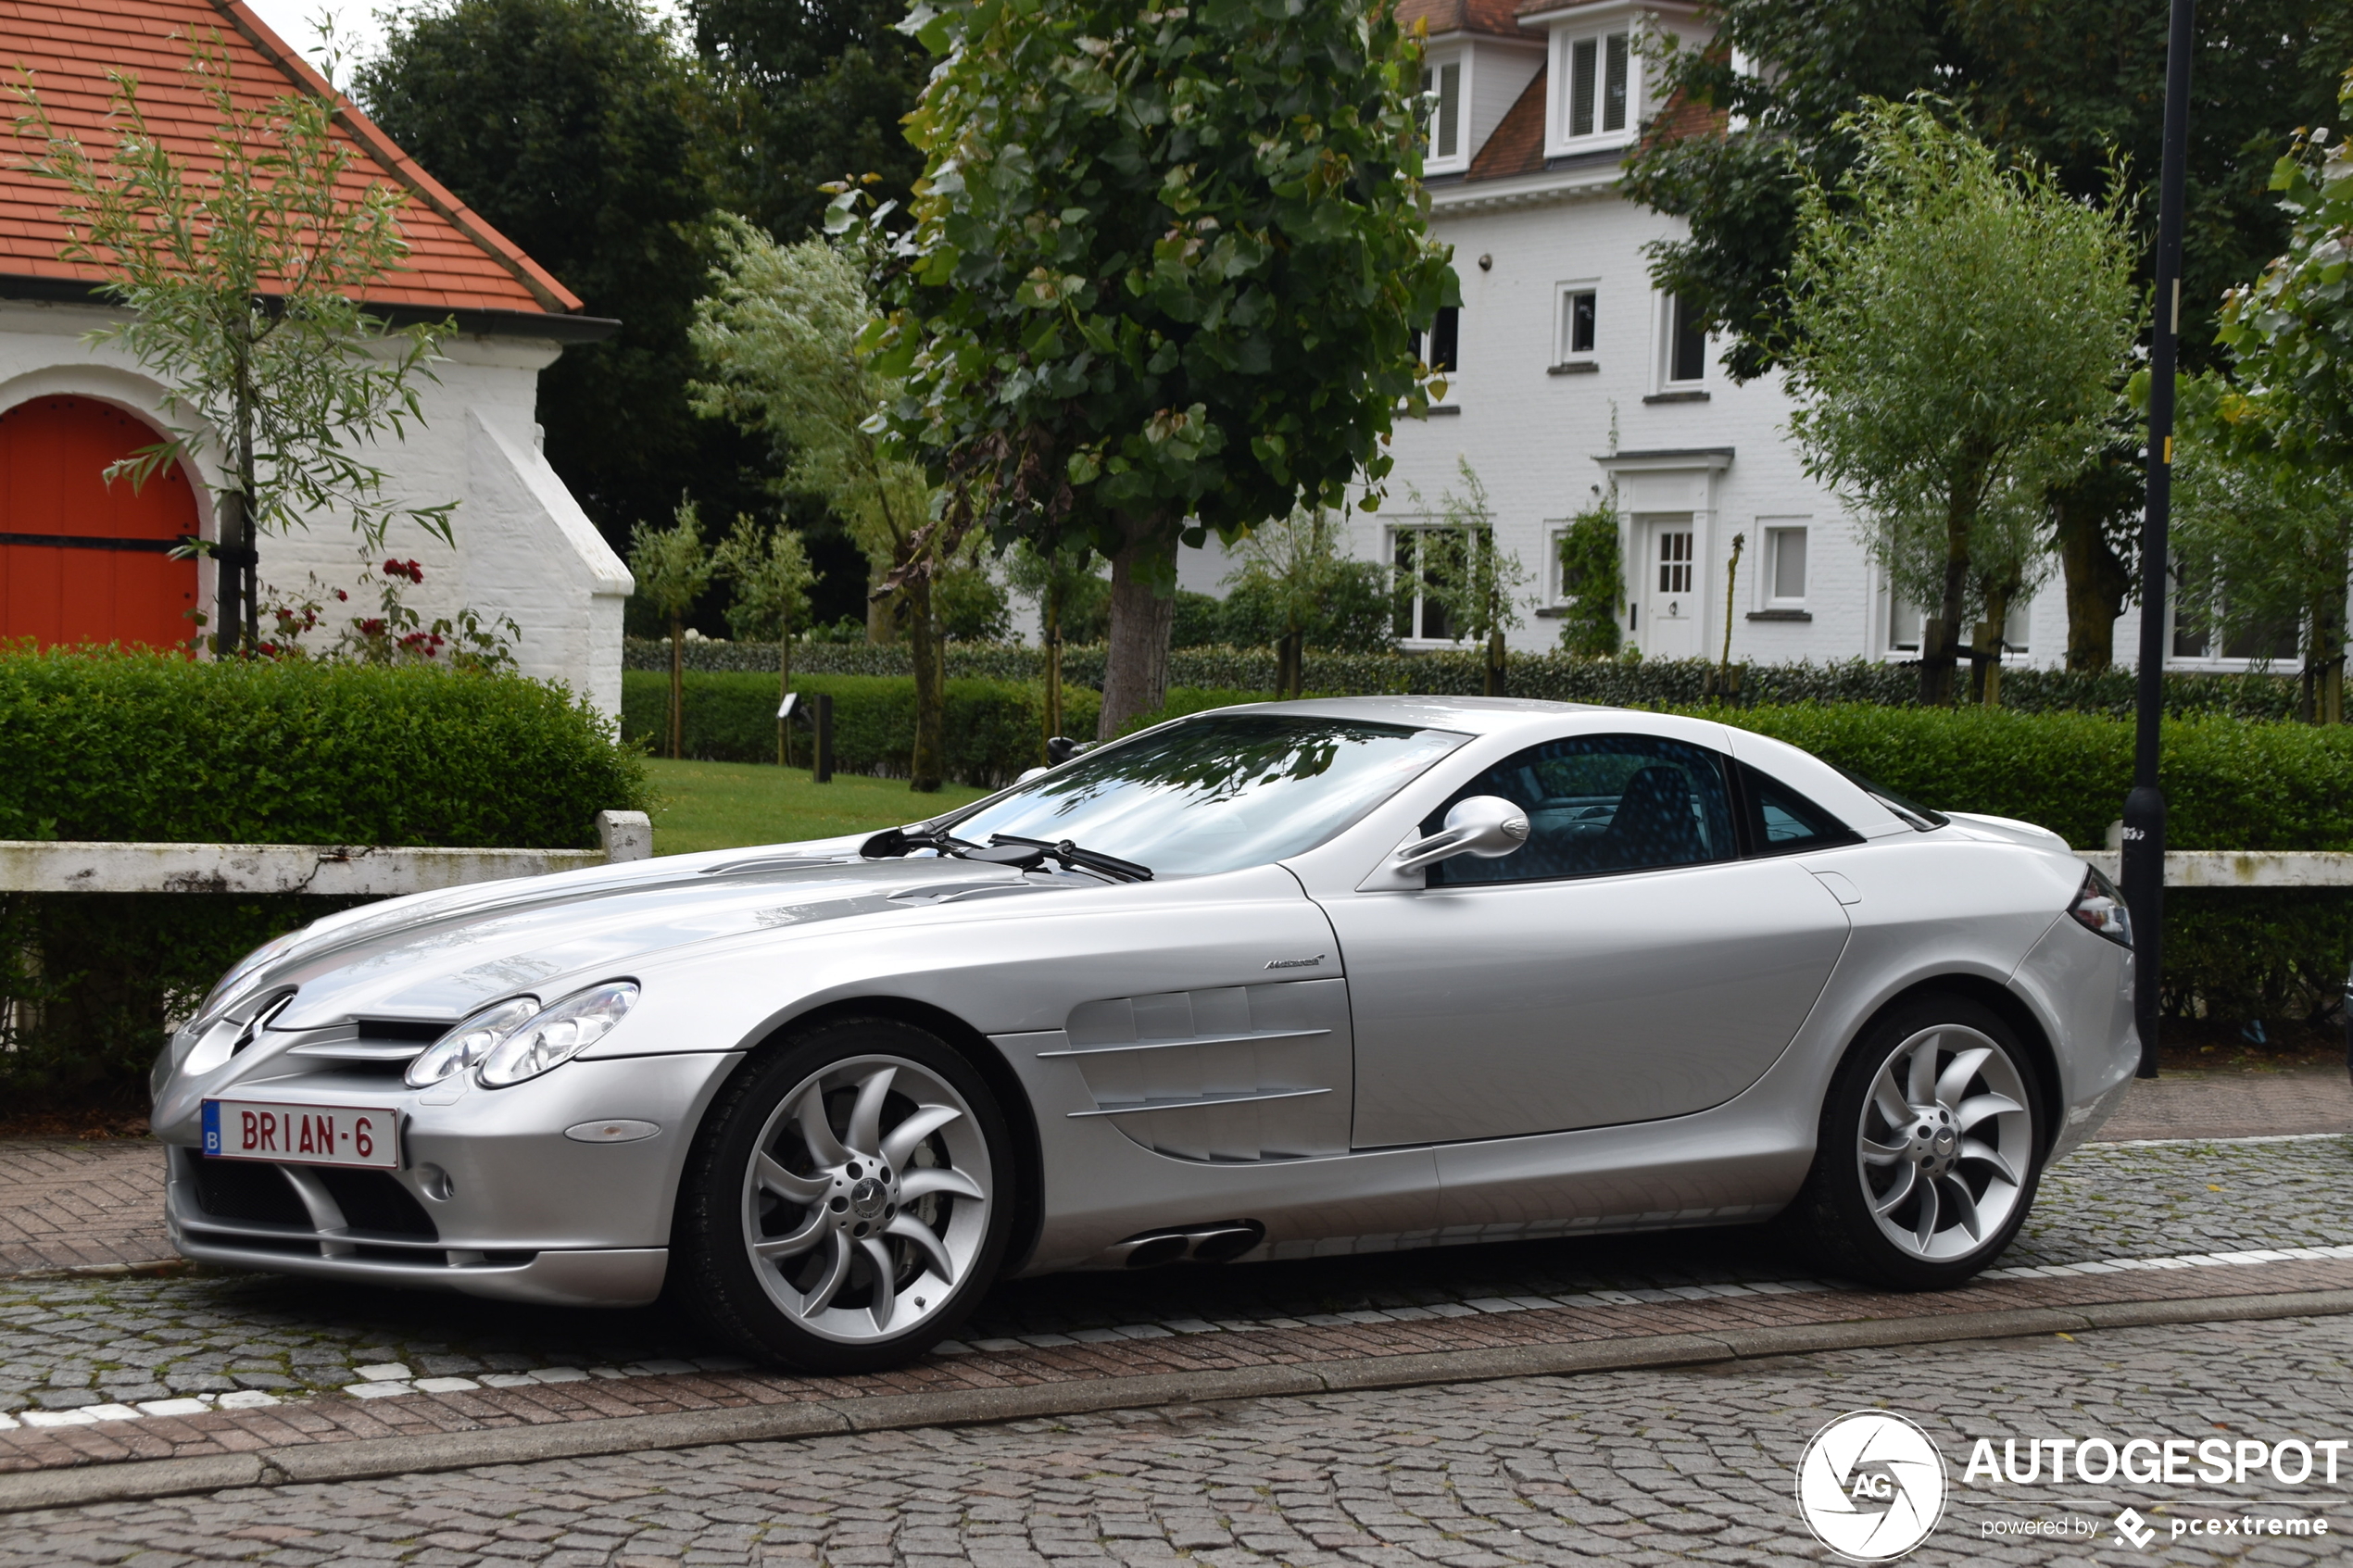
(302, 1135)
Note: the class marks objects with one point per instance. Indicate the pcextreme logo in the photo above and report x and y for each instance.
(1870, 1485)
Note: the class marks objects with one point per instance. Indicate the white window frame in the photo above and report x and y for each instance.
(2217, 662)
(2022, 616)
(1397, 534)
(1561, 136)
(1662, 316)
(1774, 533)
(1439, 61)
(1452, 378)
(1564, 320)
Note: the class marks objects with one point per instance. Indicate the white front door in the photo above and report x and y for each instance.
(1670, 589)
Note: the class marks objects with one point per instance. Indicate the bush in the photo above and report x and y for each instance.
(995, 729)
(139, 746)
(153, 747)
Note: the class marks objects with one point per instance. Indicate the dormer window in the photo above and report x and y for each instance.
(1443, 91)
(1597, 87)
(1597, 84)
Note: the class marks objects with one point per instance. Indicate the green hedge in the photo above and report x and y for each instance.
(994, 728)
(2229, 784)
(1557, 676)
(136, 745)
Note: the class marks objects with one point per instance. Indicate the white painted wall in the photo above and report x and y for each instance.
(522, 547)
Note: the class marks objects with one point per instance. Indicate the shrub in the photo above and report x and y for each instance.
(139, 746)
(994, 728)
(153, 747)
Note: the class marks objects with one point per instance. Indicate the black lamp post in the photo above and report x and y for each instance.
(2143, 859)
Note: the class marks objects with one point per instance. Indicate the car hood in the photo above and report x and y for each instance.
(437, 957)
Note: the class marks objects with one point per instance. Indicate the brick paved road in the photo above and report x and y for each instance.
(1651, 1467)
(66, 1343)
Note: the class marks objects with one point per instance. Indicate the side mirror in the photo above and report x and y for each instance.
(1485, 825)
(1032, 774)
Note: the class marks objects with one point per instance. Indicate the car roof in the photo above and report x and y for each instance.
(1466, 715)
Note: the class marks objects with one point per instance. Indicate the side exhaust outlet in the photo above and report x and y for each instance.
(1219, 1243)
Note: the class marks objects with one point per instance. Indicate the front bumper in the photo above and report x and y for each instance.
(492, 1198)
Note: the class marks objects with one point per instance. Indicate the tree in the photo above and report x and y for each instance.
(772, 578)
(1294, 566)
(2289, 418)
(673, 568)
(1067, 585)
(575, 126)
(2074, 85)
(1956, 331)
(779, 333)
(801, 93)
(1593, 578)
(1162, 280)
(243, 282)
(1471, 574)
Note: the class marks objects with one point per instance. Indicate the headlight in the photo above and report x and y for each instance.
(469, 1042)
(2101, 909)
(557, 1035)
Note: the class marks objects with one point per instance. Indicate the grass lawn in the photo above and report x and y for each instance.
(726, 805)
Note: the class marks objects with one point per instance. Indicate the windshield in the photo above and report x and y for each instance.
(1216, 793)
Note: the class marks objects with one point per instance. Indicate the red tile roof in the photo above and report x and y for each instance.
(456, 262)
(1517, 144)
(1498, 16)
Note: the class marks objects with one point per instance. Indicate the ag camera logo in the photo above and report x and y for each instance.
(1871, 1486)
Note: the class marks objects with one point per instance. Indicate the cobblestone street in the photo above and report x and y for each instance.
(74, 1342)
(1626, 1467)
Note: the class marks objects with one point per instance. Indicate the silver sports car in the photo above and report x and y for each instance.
(1280, 981)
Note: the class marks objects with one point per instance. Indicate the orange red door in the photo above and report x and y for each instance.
(82, 561)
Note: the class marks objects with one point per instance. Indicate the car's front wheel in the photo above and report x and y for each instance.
(847, 1201)
(1931, 1147)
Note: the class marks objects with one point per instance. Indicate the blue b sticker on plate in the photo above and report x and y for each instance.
(212, 1126)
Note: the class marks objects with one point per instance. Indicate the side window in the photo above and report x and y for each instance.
(1601, 803)
(1782, 821)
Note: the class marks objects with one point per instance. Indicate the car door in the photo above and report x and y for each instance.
(1626, 964)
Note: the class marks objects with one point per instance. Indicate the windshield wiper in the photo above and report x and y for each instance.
(904, 841)
(1073, 858)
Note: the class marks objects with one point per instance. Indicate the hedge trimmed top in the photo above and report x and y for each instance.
(107, 745)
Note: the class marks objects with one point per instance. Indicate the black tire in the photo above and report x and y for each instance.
(817, 1307)
(1834, 1218)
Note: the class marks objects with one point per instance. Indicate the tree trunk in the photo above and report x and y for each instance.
(1290, 655)
(2328, 660)
(677, 684)
(1493, 683)
(2096, 582)
(882, 614)
(1053, 655)
(928, 764)
(1945, 631)
(229, 576)
(1143, 612)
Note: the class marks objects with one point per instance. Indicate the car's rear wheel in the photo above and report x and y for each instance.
(1930, 1148)
(847, 1201)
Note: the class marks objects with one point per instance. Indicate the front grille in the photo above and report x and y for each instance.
(372, 1201)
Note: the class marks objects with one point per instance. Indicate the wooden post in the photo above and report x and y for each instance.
(822, 769)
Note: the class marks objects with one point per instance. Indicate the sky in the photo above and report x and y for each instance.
(358, 30)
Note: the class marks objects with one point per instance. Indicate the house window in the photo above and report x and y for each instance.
(1420, 616)
(1598, 85)
(1438, 345)
(1907, 622)
(1784, 568)
(1578, 324)
(1686, 342)
(1443, 86)
(2199, 634)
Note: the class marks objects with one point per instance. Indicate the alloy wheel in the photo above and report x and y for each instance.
(867, 1198)
(1946, 1143)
